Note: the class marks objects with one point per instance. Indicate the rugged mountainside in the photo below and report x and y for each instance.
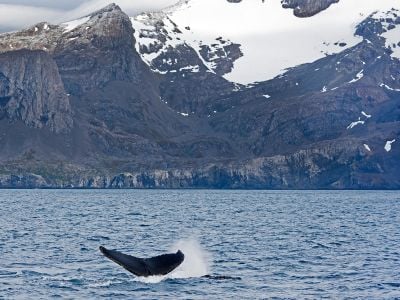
(31, 90)
(112, 101)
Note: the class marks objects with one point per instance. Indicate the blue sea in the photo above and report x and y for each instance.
(255, 244)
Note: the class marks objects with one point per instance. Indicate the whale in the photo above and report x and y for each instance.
(145, 267)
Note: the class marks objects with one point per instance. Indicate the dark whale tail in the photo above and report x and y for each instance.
(158, 265)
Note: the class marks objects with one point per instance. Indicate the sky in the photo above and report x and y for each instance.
(18, 14)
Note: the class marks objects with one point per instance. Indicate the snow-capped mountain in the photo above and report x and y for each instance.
(259, 39)
(221, 93)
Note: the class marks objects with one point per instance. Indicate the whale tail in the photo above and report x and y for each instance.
(158, 265)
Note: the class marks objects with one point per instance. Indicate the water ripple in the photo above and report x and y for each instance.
(262, 245)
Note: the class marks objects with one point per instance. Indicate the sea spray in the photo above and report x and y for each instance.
(197, 262)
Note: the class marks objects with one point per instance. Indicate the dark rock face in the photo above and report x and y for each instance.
(97, 52)
(185, 77)
(222, 54)
(31, 91)
(307, 8)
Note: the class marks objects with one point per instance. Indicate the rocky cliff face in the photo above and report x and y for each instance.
(149, 108)
(32, 91)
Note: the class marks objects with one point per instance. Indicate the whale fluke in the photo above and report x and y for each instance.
(158, 265)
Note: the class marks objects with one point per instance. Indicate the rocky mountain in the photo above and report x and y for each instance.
(307, 8)
(298, 94)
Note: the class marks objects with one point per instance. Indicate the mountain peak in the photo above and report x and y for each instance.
(112, 7)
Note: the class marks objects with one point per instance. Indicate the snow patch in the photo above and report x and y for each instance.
(359, 122)
(366, 115)
(160, 72)
(71, 25)
(388, 146)
(358, 76)
(193, 69)
(389, 88)
(354, 124)
(367, 147)
(237, 88)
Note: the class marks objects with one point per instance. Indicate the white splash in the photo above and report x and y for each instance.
(197, 262)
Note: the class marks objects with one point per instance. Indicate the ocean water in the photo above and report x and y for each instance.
(267, 244)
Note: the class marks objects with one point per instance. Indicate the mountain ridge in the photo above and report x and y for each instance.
(174, 121)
